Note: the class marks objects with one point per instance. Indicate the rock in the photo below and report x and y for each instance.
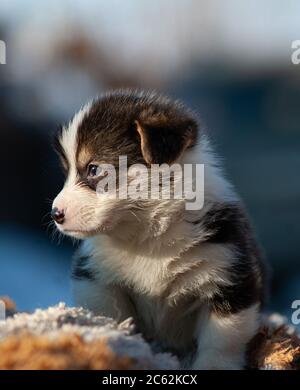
(73, 338)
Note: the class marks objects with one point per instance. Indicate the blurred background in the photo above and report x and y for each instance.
(230, 61)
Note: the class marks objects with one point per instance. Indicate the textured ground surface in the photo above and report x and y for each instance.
(72, 338)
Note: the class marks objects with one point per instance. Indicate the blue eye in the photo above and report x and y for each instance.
(94, 170)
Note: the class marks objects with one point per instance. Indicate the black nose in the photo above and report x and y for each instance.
(58, 215)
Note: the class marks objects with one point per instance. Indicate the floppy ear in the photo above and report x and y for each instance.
(163, 139)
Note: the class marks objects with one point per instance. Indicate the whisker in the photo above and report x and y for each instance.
(135, 215)
(47, 215)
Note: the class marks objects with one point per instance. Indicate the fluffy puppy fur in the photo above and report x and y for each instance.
(192, 280)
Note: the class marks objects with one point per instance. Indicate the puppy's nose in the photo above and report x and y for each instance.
(58, 215)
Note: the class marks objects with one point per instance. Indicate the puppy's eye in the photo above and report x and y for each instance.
(94, 170)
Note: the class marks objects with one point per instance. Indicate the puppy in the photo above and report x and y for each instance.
(193, 280)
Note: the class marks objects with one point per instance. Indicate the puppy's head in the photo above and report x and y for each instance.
(144, 127)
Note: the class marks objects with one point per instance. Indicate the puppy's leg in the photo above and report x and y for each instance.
(101, 299)
(222, 340)
(92, 290)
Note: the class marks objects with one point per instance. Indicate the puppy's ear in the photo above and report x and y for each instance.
(165, 137)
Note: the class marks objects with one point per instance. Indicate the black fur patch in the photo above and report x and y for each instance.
(225, 224)
(228, 224)
(246, 290)
(109, 129)
(80, 270)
